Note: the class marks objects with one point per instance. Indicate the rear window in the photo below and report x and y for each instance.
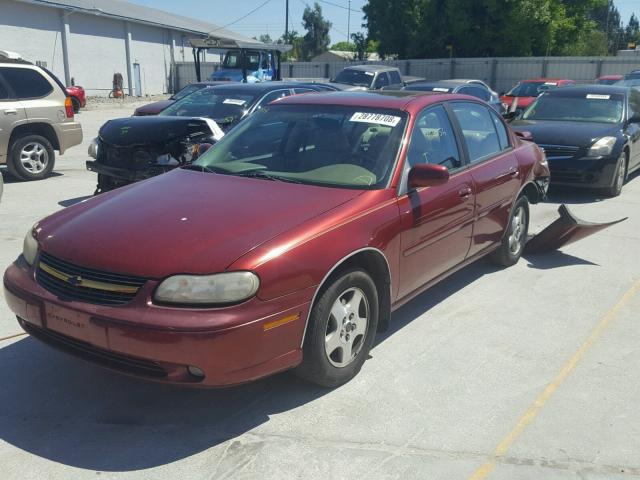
(26, 83)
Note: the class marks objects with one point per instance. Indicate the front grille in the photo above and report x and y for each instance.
(560, 151)
(561, 175)
(71, 282)
(86, 351)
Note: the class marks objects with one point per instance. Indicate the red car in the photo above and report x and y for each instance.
(608, 79)
(78, 97)
(526, 91)
(286, 245)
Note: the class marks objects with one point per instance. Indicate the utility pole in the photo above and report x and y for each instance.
(286, 22)
(349, 23)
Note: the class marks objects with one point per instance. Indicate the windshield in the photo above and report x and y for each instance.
(234, 60)
(606, 81)
(188, 90)
(336, 146)
(429, 88)
(631, 82)
(577, 107)
(355, 77)
(222, 105)
(531, 89)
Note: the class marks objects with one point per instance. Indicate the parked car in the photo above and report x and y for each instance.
(483, 84)
(135, 148)
(526, 91)
(590, 134)
(629, 82)
(37, 118)
(458, 86)
(287, 244)
(608, 79)
(78, 97)
(632, 74)
(156, 107)
(369, 77)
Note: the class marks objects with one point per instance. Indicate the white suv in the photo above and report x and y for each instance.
(36, 118)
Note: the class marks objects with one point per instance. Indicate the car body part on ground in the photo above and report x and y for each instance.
(287, 244)
(590, 134)
(525, 92)
(563, 231)
(37, 119)
(463, 87)
(167, 140)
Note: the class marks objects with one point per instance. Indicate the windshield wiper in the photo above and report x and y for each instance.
(266, 176)
(203, 168)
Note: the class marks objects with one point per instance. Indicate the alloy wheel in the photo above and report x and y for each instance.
(34, 157)
(347, 327)
(518, 225)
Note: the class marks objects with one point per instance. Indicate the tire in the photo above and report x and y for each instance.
(619, 177)
(31, 158)
(329, 339)
(76, 104)
(515, 237)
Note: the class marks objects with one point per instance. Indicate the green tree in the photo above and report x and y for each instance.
(343, 46)
(316, 40)
(360, 43)
(295, 40)
(632, 31)
(265, 38)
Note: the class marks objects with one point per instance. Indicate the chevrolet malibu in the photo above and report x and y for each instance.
(287, 245)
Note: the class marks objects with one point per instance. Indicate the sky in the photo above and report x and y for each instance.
(271, 17)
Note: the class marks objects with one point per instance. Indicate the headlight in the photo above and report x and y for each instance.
(93, 148)
(220, 288)
(30, 246)
(602, 147)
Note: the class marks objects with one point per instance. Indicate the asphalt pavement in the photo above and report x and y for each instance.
(530, 372)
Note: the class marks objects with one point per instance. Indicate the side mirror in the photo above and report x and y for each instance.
(635, 119)
(428, 175)
(524, 135)
(508, 116)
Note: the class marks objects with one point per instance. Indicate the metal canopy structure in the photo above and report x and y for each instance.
(225, 43)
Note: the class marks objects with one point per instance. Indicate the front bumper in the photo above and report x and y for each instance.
(583, 172)
(125, 174)
(229, 345)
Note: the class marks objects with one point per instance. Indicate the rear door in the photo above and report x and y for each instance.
(494, 169)
(437, 222)
(12, 114)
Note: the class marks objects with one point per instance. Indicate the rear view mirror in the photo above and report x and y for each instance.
(428, 175)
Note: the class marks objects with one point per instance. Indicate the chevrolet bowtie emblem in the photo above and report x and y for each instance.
(75, 280)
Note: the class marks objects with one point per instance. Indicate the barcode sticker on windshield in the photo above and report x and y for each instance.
(551, 83)
(234, 101)
(593, 96)
(379, 118)
(440, 89)
(371, 74)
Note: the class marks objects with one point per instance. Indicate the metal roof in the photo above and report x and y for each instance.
(131, 12)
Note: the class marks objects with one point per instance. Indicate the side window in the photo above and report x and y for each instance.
(382, 80)
(478, 130)
(4, 93)
(270, 97)
(302, 90)
(477, 92)
(27, 83)
(634, 102)
(433, 141)
(503, 136)
(395, 77)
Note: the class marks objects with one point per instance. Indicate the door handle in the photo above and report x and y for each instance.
(464, 192)
(11, 111)
(512, 172)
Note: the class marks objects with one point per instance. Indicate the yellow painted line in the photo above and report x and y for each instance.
(13, 336)
(282, 321)
(532, 412)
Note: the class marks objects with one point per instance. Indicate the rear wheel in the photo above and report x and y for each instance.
(515, 237)
(32, 158)
(341, 330)
(619, 177)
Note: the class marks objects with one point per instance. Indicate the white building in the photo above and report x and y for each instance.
(90, 40)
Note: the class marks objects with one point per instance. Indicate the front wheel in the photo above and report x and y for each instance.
(342, 327)
(619, 177)
(515, 237)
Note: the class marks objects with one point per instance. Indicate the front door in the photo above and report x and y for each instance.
(494, 169)
(437, 222)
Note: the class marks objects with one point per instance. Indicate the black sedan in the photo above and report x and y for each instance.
(459, 86)
(591, 134)
(134, 148)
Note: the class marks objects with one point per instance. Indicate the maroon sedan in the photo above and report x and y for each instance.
(287, 245)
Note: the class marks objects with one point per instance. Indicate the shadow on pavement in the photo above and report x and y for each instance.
(8, 178)
(555, 259)
(73, 201)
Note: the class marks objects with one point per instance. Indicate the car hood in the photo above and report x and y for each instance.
(132, 131)
(154, 108)
(182, 222)
(580, 134)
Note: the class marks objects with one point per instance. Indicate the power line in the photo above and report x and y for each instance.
(243, 17)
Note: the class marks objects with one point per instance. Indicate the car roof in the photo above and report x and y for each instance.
(586, 89)
(440, 83)
(531, 80)
(411, 101)
(371, 68)
(610, 77)
(261, 86)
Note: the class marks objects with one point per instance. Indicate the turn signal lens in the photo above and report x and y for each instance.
(68, 106)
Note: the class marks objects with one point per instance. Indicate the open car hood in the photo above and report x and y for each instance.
(564, 231)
